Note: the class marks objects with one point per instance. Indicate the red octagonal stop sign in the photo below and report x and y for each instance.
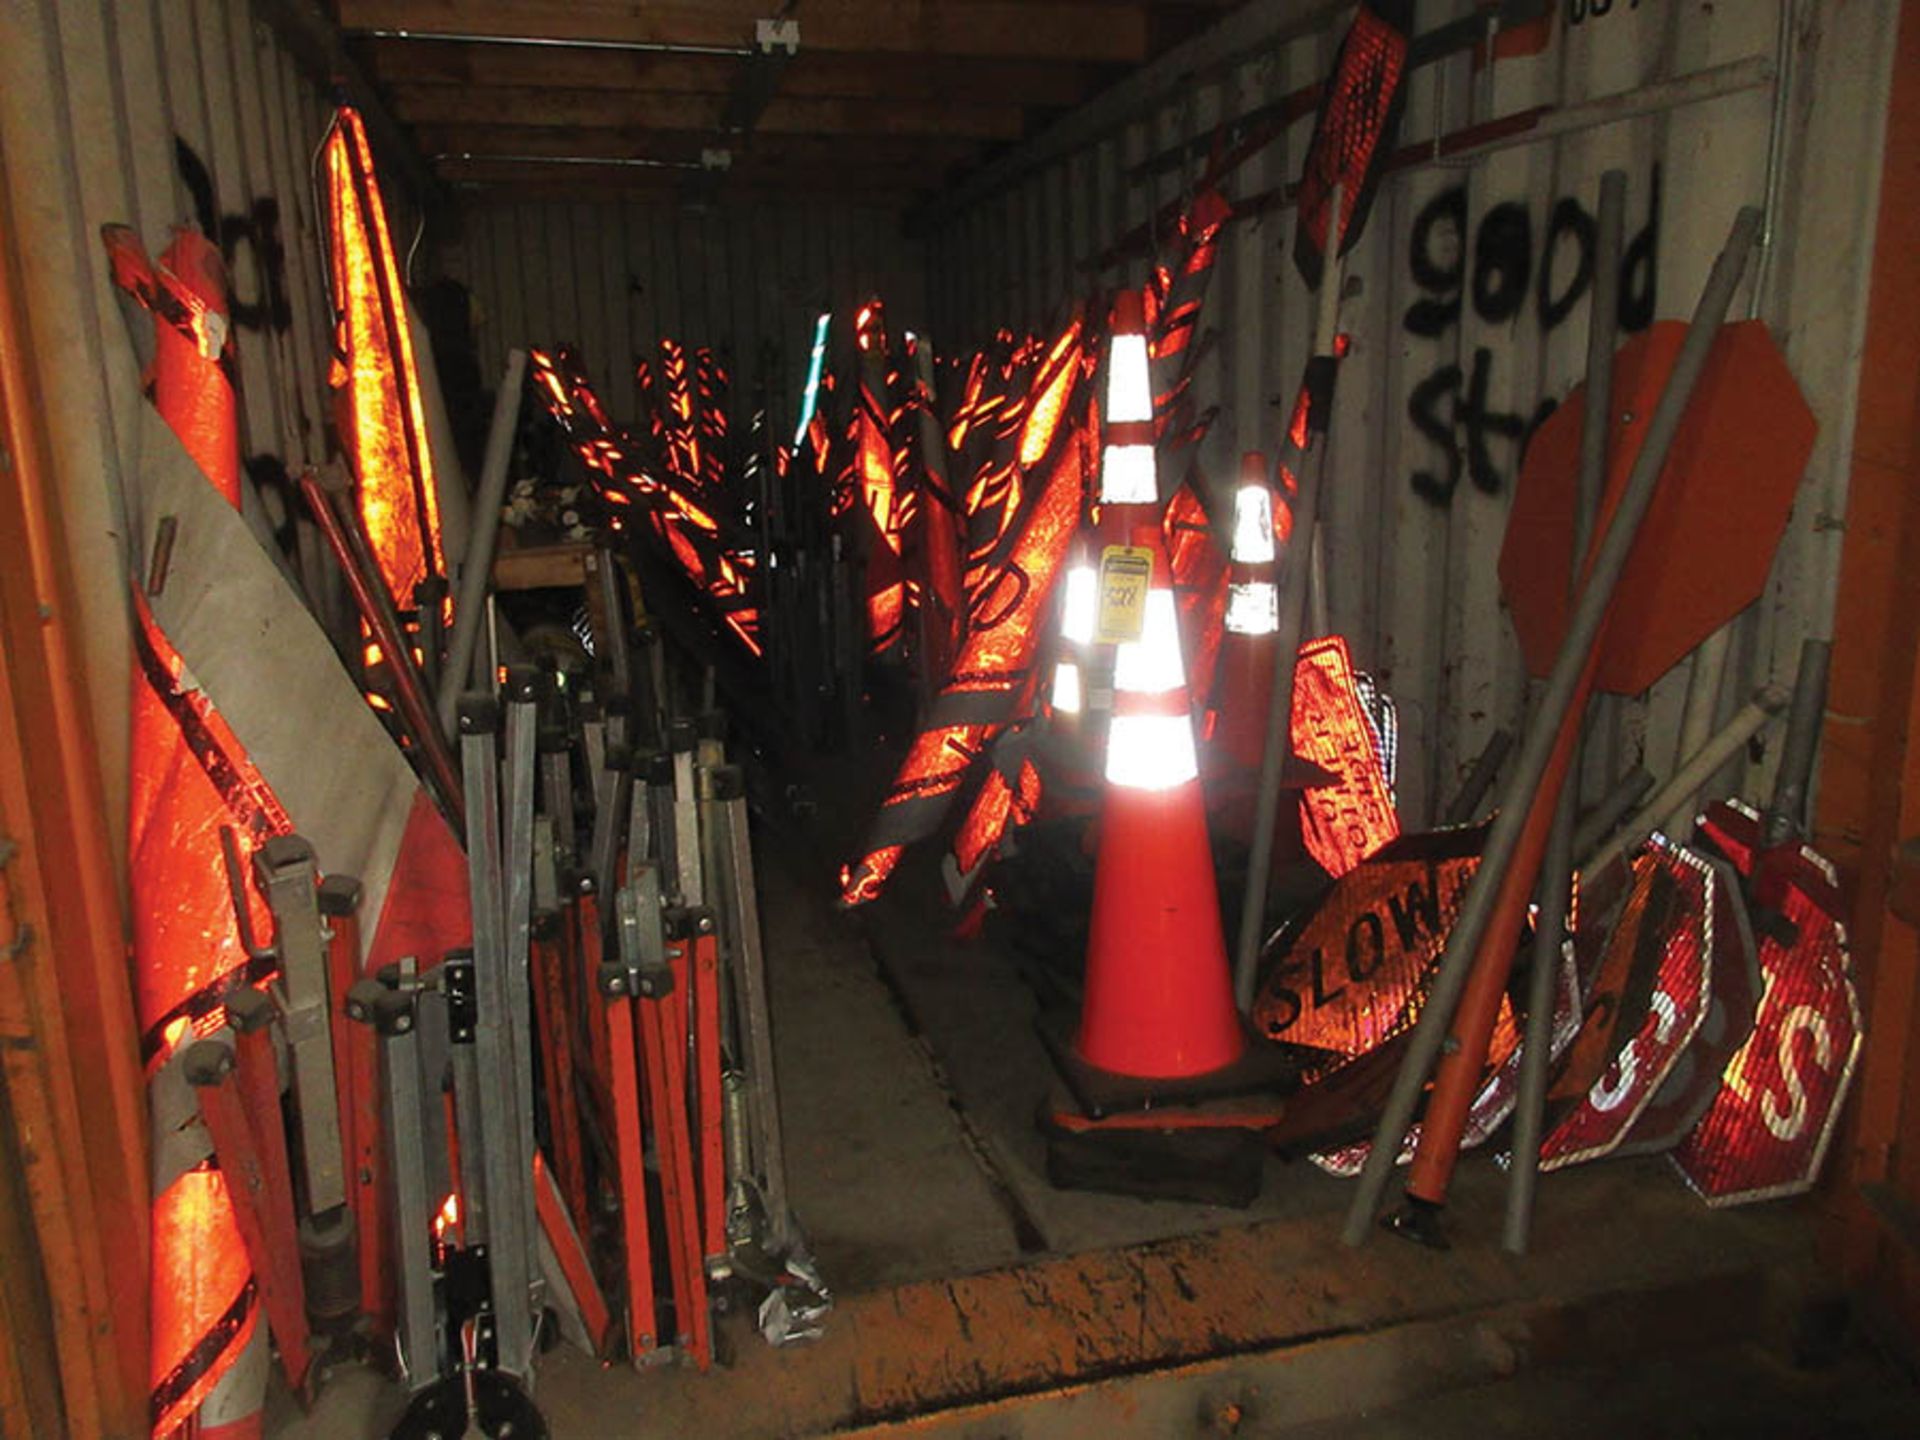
(1707, 542)
(1685, 934)
(1767, 1130)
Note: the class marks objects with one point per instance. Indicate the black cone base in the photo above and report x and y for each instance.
(1206, 1167)
(1265, 1069)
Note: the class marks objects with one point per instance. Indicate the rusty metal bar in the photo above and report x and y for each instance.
(333, 510)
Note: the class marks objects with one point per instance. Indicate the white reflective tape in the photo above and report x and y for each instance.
(1127, 475)
(1151, 665)
(1253, 608)
(1129, 389)
(1151, 752)
(1253, 525)
(1082, 599)
(1066, 688)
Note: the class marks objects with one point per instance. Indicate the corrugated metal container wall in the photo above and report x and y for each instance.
(153, 114)
(613, 278)
(1443, 376)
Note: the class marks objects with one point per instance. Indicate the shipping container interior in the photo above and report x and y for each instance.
(605, 485)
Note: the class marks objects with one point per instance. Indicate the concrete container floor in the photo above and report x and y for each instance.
(976, 1300)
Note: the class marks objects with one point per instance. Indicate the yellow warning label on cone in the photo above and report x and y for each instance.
(1126, 574)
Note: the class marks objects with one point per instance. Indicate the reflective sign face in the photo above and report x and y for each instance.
(1767, 1130)
(1682, 984)
(1352, 974)
(1677, 1105)
(1346, 821)
(1498, 1092)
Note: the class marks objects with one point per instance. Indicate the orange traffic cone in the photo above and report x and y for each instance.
(1163, 1097)
(1158, 999)
(1158, 993)
(1253, 617)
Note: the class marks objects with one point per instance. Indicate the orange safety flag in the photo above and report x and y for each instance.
(943, 520)
(1037, 498)
(1199, 585)
(885, 513)
(190, 782)
(1176, 292)
(374, 373)
(690, 529)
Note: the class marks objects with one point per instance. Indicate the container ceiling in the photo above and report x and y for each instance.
(882, 99)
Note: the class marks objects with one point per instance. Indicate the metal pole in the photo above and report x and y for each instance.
(1611, 808)
(1699, 767)
(1309, 469)
(393, 1014)
(1603, 329)
(517, 873)
(1543, 735)
(1466, 803)
(477, 567)
(689, 890)
(1710, 660)
(1696, 718)
(286, 870)
(1786, 813)
(750, 969)
(340, 524)
(495, 1120)
(611, 643)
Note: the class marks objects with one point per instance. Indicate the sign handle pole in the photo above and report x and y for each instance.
(1603, 329)
(1309, 469)
(1571, 668)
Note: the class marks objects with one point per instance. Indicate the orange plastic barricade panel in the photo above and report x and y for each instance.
(267, 1238)
(642, 1328)
(383, 418)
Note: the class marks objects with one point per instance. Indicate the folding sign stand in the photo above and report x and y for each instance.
(473, 1362)
(659, 972)
(237, 1089)
(288, 877)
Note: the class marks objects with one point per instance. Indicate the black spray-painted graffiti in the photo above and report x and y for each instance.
(258, 229)
(1503, 273)
(1581, 10)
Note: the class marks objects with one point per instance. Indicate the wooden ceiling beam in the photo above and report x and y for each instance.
(933, 154)
(811, 75)
(888, 183)
(446, 106)
(1053, 29)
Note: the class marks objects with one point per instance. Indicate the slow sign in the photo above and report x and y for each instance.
(1353, 972)
(1500, 1090)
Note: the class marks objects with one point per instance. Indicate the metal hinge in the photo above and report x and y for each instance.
(776, 34)
(23, 932)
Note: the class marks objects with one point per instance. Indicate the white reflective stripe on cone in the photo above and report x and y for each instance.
(1129, 389)
(1082, 600)
(1253, 526)
(1151, 752)
(1253, 608)
(1066, 688)
(1151, 665)
(1127, 475)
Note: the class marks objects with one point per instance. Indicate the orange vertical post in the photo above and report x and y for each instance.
(62, 883)
(1867, 813)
